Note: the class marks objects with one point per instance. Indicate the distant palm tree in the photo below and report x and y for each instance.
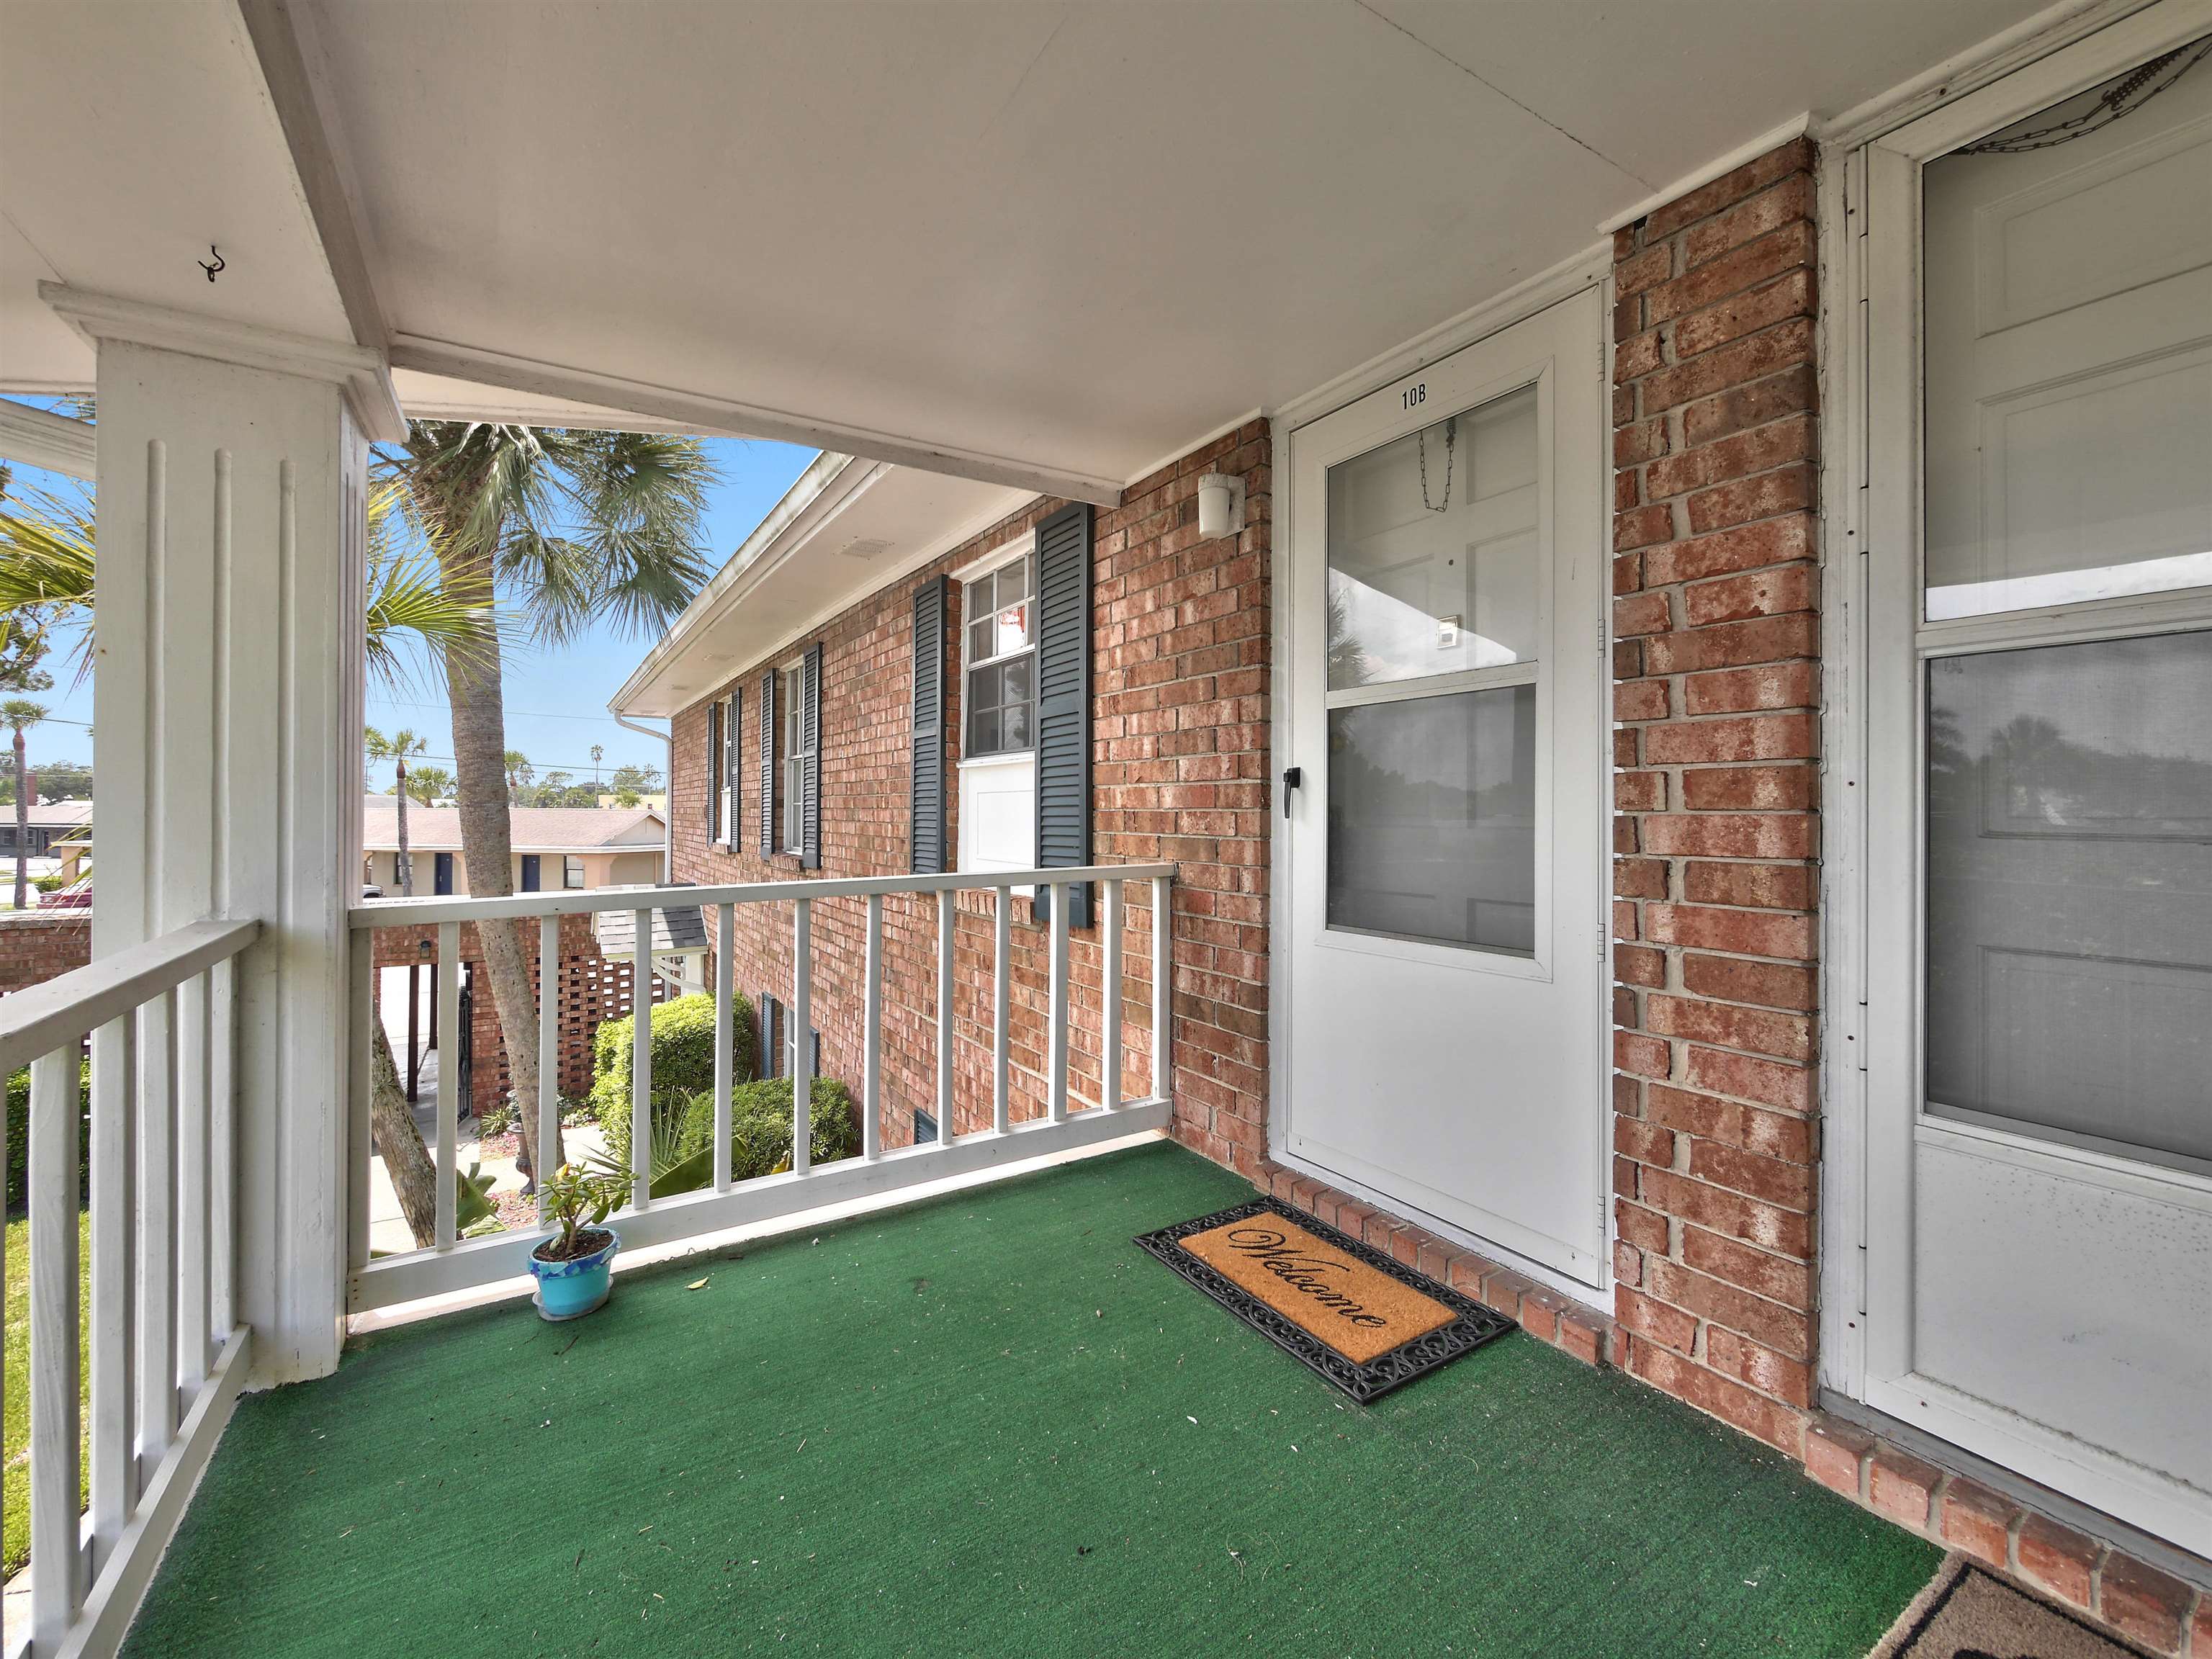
(519, 772)
(21, 714)
(429, 784)
(599, 753)
(570, 530)
(397, 749)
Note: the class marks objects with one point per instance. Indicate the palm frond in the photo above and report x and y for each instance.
(46, 567)
(412, 608)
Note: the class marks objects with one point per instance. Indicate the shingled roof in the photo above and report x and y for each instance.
(534, 829)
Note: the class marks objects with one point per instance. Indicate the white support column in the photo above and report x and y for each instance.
(872, 1039)
(1110, 1013)
(725, 949)
(232, 466)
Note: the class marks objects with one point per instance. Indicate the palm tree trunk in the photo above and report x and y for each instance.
(406, 864)
(406, 1159)
(479, 710)
(22, 825)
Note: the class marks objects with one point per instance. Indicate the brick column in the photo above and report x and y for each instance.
(1715, 881)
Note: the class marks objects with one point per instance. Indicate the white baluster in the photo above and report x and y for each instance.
(157, 1240)
(1109, 1094)
(223, 1159)
(944, 1010)
(549, 1057)
(871, 1003)
(192, 1184)
(802, 1035)
(1056, 1008)
(1162, 987)
(1002, 951)
(114, 1473)
(56, 1563)
(450, 1042)
(640, 1063)
(725, 950)
(361, 998)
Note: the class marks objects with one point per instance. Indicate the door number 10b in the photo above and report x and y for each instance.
(1414, 396)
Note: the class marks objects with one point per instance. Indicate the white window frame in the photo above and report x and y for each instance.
(1874, 640)
(790, 759)
(572, 872)
(1008, 770)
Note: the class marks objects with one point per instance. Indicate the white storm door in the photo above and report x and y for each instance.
(2039, 1003)
(1445, 846)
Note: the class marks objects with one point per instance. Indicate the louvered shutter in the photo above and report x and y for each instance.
(733, 760)
(926, 792)
(810, 760)
(771, 1050)
(768, 762)
(714, 821)
(1063, 693)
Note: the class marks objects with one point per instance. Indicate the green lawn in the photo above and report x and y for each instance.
(989, 1425)
(16, 1427)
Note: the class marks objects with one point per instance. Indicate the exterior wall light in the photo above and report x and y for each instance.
(1220, 506)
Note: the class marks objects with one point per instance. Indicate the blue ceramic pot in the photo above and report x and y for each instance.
(569, 1290)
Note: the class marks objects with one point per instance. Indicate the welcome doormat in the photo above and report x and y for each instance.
(1966, 1613)
(1351, 1313)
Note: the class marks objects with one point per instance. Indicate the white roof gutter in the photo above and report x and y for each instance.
(668, 772)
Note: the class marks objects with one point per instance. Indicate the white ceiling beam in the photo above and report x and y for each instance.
(274, 30)
(706, 412)
(34, 438)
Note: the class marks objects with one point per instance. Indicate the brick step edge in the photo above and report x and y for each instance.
(1558, 1319)
(2135, 1600)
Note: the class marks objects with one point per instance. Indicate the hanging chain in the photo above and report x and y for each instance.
(1451, 436)
(2125, 96)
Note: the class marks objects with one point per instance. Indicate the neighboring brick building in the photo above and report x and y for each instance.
(36, 946)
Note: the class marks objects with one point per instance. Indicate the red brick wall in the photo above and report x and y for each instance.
(592, 990)
(37, 945)
(1180, 771)
(1716, 837)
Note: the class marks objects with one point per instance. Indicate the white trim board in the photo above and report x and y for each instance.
(38, 437)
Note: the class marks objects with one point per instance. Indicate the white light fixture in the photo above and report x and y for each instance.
(1220, 506)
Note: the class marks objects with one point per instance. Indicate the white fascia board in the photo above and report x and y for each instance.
(828, 482)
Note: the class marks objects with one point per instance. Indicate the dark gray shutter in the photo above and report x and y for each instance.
(733, 760)
(768, 762)
(926, 792)
(1063, 694)
(771, 1023)
(810, 764)
(713, 771)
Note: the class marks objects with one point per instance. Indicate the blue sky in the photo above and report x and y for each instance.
(556, 702)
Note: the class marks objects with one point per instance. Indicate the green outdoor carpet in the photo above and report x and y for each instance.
(990, 1425)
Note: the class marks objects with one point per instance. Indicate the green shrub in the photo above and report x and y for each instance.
(682, 1064)
(19, 1137)
(683, 1052)
(760, 1132)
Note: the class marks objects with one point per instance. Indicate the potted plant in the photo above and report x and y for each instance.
(574, 1268)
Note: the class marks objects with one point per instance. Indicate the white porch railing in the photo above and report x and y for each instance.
(452, 1263)
(167, 1354)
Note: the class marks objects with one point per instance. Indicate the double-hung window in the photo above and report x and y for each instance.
(791, 756)
(572, 870)
(998, 698)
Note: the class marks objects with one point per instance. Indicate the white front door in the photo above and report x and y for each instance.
(1445, 848)
(2039, 1132)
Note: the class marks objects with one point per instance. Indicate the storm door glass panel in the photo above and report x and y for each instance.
(2068, 286)
(1432, 818)
(1432, 559)
(1436, 570)
(2069, 894)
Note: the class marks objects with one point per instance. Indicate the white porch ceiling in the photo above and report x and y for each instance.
(1034, 239)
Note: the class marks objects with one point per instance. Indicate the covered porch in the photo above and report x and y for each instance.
(987, 1424)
